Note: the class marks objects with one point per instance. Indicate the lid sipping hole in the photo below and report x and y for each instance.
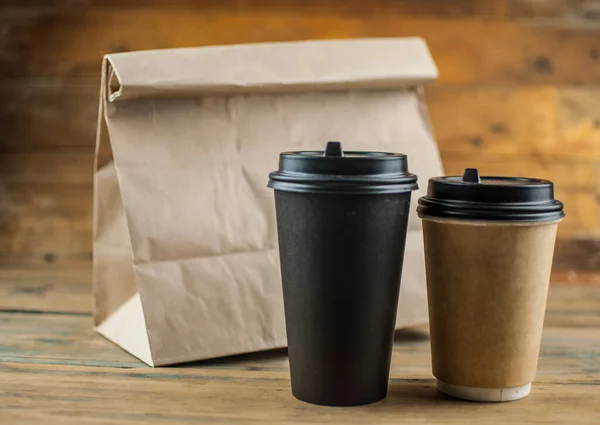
(333, 149)
(471, 175)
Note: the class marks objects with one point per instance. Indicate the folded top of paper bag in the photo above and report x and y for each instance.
(269, 67)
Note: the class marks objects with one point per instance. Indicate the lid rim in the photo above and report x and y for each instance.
(452, 180)
(335, 170)
(492, 198)
(362, 155)
(550, 205)
(380, 179)
(551, 210)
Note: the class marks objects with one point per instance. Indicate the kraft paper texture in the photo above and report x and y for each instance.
(185, 247)
(487, 287)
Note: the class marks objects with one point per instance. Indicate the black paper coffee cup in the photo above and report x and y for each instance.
(342, 221)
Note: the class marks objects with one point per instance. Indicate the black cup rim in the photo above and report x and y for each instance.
(356, 172)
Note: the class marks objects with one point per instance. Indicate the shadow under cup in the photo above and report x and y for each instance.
(488, 251)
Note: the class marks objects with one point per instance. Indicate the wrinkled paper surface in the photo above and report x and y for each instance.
(185, 243)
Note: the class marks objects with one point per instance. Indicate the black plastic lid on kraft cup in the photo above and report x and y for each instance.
(336, 171)
(472, 197)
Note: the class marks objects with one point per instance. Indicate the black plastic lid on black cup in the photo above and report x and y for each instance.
(490, 198)
(336, 171)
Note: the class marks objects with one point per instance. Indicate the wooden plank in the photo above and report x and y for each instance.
(58, 339)
(571, 276)
(572, 9)
(580, 254)
(583, 215)
(495, 121)
(233, 402)
(47, 393)
(579, 122)
(71, 42)
(534, 121)
(39, 394)
(69, 339)
(46, 172)
(48, 115)
(68, 289)
(50, 224)
(573, 305)
(74, 166)
(48, 289)
(45, 261)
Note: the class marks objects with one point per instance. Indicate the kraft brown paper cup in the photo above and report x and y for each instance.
(487, 286)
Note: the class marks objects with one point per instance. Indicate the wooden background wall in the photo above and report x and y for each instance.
(518, 94)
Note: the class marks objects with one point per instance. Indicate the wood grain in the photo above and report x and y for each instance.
(56, 288)
(48, 115)
(577, 10)
(583, 216)
(495, 121)
(582, 254)
(55, 369)
(574, 306)
(52, 222)
(579, 121)
(58, 339)
(255, 388)
(46, 46)
(42, 394)
(535, 121)
(68, 290)
(571, 275)
(47, 289)
(72, 167)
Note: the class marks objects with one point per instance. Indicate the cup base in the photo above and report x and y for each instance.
(340, 401)
(484, 394)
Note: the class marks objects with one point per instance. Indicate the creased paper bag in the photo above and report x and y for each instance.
(185, 251)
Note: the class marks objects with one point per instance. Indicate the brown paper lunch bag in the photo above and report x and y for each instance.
(185, 249)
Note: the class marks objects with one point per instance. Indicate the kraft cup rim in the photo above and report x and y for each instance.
(485, 222)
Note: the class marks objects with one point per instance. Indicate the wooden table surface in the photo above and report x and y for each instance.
(55, 370)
